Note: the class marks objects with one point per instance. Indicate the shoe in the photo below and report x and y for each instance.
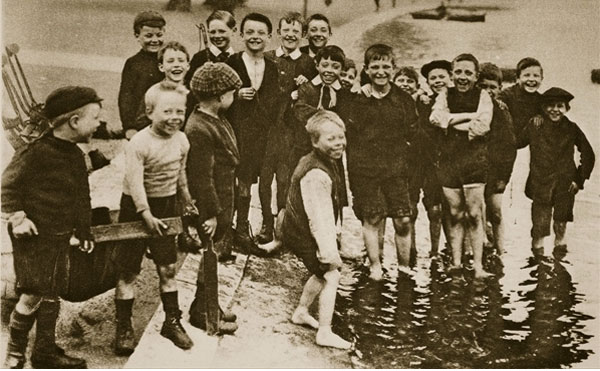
(174, 331)
(266, 234)
(243, 238)
(56, 360)
(124, 340)
(227, 257)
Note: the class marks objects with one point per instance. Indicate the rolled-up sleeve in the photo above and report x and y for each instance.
(480, 125)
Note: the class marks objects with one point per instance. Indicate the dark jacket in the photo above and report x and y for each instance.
(425, 144)
(552, 167)
(139, 73)
(502, 146)
(48, 180)
(211, 162)
(306, 50)
(198, 60)
(522, 105)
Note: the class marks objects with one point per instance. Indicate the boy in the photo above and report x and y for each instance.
(379, 128)
(211, 165)
(318, 33)
(348, 75)
(155, 161)
(464, 112)
(141, 70)
(502, 151)
(554, 179)
(313, 216)
(253, 114)
(407, 79)
(295, 68)
(46, 199)
(173, 61)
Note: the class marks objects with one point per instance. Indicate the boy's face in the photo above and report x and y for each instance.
(175, 64)
(347, 78)
(151, 38)
(255, 35)
(290, 35)
(464, 75)
(555, 110)
(380, 71)
(87, 122)
(219, 34)
(226, 99)
(406, 83)
(531, 78)
(168, 113)
(329, 70)
(491, 86)
(332, 140)
(438, 80)
(318, 33)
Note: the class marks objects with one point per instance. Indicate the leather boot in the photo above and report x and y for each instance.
(124, 337)
(174, 331)
(267, 229)
(46, 354)
(20, 325)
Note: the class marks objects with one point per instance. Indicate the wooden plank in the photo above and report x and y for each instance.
(133, 230)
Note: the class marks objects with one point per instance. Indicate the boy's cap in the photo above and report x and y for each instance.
(148, 18)
(214, 79)
(433, 65)
(67, 99)
(557, 94)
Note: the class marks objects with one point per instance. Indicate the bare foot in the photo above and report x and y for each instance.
(481, 274)
(376, 274)
(326, 338)
(271, 246)
(303, 318)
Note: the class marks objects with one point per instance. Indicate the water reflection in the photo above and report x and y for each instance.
(432, 319)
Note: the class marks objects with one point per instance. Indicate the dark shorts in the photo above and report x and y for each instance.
(40, 263)
(427, 180)
(380, 197)
(490, 186)
(252, 153)
(458, 174)
(129, 254)
(312, 263)
(560, 209)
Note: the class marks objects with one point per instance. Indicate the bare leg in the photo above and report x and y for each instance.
(402, 238)
(28, 304)
(125, 289)
(474, 199)
(494, 206)
(325, 336)
(372, 237)
(166, 275)
(456, 232)
(312, 288)
(435, 228)
(560, 230)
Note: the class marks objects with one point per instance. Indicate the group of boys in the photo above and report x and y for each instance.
(287, 114)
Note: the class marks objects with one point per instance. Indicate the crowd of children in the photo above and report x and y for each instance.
(202, 131)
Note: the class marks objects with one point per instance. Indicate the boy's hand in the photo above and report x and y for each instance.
(573, 188)
(209, 227)
(294, 95)
(246, 93)
(425, 99)
(537, 121)
(129, 133)
(25, 228)
(155, 225)
(300, 80)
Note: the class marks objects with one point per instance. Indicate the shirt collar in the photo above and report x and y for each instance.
(317, 81)
(279, 52)
(216, 51)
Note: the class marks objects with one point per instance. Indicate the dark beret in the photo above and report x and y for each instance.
(443, 64)
(214, 79)
(148, 18)
(67, 99)
(557, 94)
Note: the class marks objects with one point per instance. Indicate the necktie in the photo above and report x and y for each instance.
(325, 101)
(222, 57)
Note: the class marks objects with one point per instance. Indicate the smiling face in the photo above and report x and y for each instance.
(331, 141)
(289, 35)
(255, 35)
(329, 70)
(151, 38)
(219, 34)
(531, 78)
(493, 87)
(168, 113)
(348, 77)
(406, 83)
(438, 80)
(555, 110)
(175, 64)
(380, 71)
(318, 34)
(464, 75)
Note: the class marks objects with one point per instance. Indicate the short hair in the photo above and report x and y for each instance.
(317, 17)
(408, 72)
(490, 71)
(377, 52)
(526, 63)
(318, 119)
(148, 18)
(257, 17)
(333, 52)
(222, 15)
(349, 64)
(154, 92)
(466, 57)
(291, 17)
(173, 45)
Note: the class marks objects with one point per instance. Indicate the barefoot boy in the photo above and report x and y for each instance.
(313, 216)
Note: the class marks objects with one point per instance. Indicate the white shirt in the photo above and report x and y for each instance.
(255, 68)
(279, 52)
(332, 91)
(216, 51)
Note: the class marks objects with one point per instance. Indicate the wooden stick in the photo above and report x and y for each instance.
(133, 230)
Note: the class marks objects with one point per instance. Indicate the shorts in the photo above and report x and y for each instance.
(312, 263)
(380, 197)
(560, 209)
(427, 180)
(40, 263)
(490, 186)
(460, 173)
(129, 254)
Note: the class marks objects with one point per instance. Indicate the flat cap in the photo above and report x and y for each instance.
(69, 98)
(557, 94)
(148, 18)
(433, 65)
(214, 79)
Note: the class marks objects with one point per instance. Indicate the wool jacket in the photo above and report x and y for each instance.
(140, 72)
(48, 180)
(522, 105)
(502, 146)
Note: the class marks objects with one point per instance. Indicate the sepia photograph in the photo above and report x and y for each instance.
(300, 184)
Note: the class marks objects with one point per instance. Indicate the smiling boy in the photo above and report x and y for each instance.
(318, 33)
